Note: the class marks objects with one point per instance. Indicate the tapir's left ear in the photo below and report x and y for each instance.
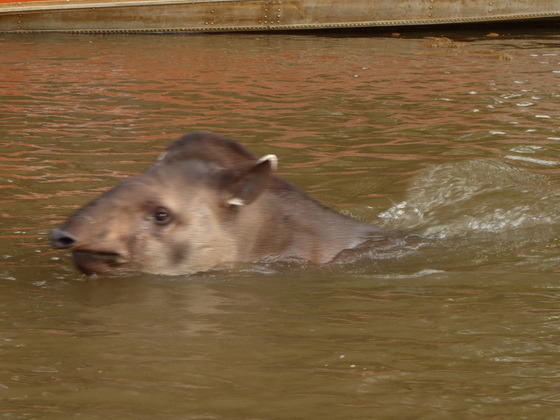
(243, 183)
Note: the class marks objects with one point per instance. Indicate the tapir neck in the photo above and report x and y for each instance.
(288, 224)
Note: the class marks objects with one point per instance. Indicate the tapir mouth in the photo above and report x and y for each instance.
(96, 262)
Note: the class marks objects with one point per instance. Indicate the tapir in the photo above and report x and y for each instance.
(206, 203)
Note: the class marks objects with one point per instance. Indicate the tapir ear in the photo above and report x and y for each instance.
(243, 183)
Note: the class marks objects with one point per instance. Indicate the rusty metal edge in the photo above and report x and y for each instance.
(293, 27)
(38, 6)
(264, 27)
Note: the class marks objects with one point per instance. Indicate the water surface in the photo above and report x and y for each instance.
(454, 141)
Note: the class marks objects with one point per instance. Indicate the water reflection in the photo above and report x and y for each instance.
(438, 345)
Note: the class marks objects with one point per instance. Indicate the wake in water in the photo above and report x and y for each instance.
(482, 215)
(476, 199)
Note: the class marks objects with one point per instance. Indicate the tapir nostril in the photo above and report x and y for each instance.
(62, 240)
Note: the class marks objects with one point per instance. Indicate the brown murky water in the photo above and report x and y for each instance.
(456, 142)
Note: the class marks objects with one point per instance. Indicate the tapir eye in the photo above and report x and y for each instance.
(162, 216)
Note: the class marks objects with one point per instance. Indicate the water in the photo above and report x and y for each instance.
(454, 141)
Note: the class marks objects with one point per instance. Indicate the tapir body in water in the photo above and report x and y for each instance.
(207, 202)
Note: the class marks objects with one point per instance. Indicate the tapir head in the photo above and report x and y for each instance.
(177, 217)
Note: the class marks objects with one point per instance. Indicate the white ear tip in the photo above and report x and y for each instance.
(273, 161)
(236, 201)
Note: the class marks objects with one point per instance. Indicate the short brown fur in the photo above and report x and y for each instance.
(207, 202)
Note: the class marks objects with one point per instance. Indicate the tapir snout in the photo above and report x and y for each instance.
(205, 203)
(62, 240)
(89, 262)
